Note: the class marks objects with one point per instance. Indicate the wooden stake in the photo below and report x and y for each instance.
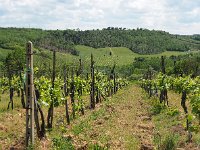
(72, 90)
(51, 108)
(29, 96)
(163, 64)
(66, 93)
(92, 90)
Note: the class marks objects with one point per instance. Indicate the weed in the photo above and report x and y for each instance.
(169, 142)
(61, 143)
(97, 147)
(172, 112)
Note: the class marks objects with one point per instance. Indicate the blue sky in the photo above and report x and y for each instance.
(174, 16)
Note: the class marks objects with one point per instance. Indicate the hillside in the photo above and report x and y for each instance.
(105, 58)
(117, 55)
(139, 40)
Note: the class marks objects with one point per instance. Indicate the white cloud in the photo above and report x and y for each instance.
(174, 16)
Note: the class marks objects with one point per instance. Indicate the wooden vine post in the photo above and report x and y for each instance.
(112, 77)
(80, 69)
(163, 93)
(66, 93)
(72, 93)
(115, 86)
(92, 90)
(51, 108)
(80, 89)
(29, 96)
(10, 85)
(175, 70)
(150, 78)
(163, 64)
(22, 90)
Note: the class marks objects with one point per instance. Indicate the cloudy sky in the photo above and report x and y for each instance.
(174, 16)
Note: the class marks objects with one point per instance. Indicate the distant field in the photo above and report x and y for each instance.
(119, 55)
(107, 56)
(102, 56)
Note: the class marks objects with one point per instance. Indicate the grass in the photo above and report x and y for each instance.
(120, 55)
(102, 56)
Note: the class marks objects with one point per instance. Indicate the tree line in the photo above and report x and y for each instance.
(142, 41)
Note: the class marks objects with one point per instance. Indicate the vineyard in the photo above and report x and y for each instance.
(149, 102)
(57, 91)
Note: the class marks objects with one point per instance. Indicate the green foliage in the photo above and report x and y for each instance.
(172, 112)
(162, 81)
(195, 99)
(184, 84)
(12, 38)
(157, 107)
(141, 41)
(4, 85)
(47, 93)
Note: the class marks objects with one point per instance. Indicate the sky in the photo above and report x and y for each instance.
(174, 16)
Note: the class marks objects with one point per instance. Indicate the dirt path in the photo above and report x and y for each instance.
(124, 123)
(132, 125)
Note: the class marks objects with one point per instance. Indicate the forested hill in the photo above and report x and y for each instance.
(139, 40)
